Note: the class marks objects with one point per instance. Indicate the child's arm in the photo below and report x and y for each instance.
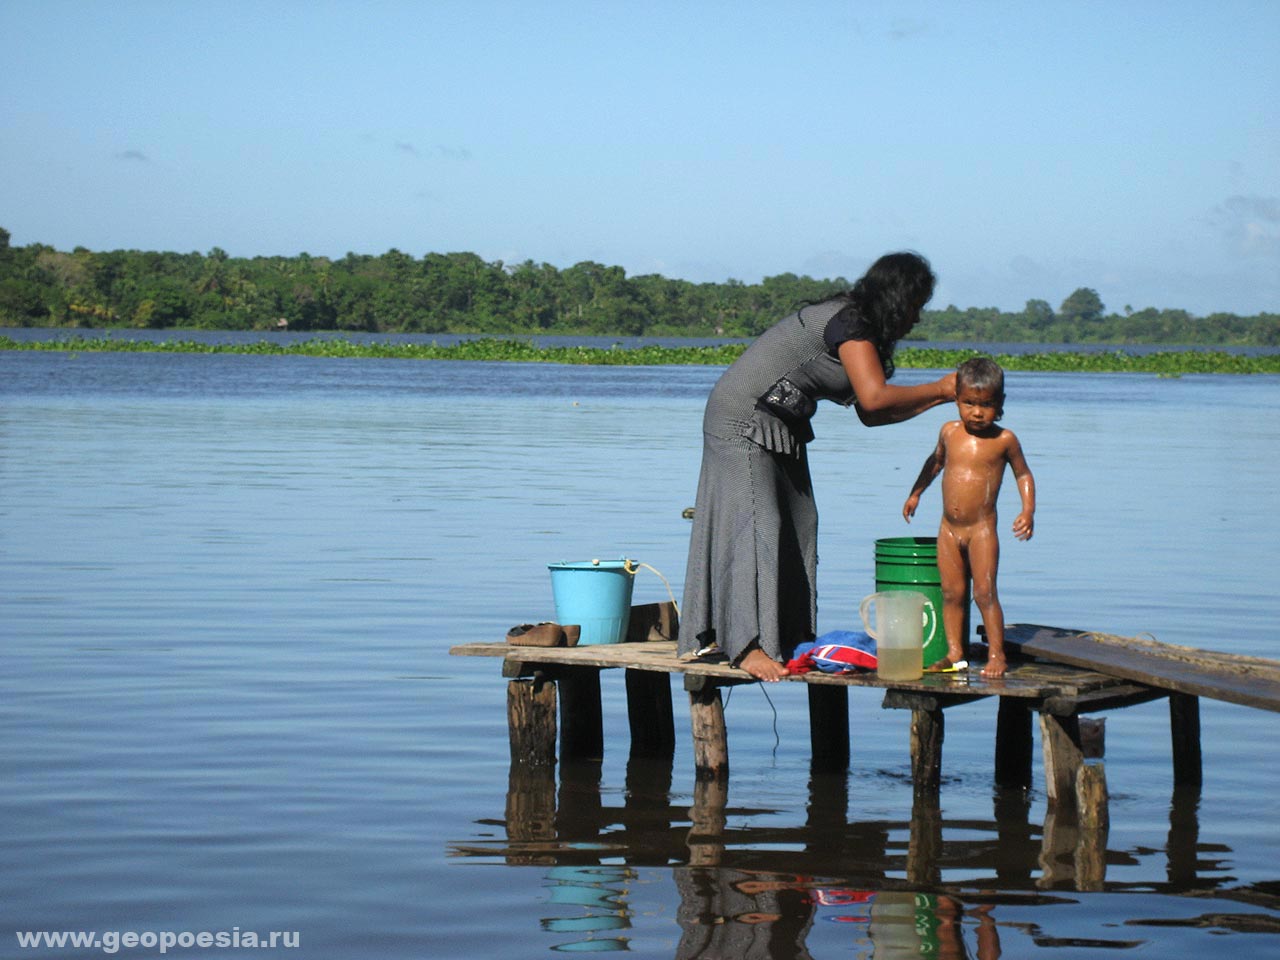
(932, 467)
(1024, 524)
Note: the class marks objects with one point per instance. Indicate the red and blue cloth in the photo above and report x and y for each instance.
(840, 651)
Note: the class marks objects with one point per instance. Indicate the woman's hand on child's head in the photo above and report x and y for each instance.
(1024, 525)
(947, 385)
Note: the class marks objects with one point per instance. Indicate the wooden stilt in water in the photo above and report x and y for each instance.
(1094, 820)
(581, 727)
(649, 711)
(928, 728)
(1013, 744)
(531, 722)
(531, 786)
(1184, 726)
(829, 726)
(710, 740)
(1060, 743)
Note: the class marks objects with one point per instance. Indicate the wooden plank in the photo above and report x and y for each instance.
(1105, 698)
(653, 621)
(1030, 680)
(1249, 681)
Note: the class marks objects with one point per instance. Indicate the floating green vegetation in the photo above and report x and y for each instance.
(1170, 363)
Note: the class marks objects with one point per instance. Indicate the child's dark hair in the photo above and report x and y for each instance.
(982, 373)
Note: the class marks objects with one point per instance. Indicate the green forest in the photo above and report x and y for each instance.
(463, 293)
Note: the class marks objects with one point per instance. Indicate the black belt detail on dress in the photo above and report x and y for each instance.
(792, 406)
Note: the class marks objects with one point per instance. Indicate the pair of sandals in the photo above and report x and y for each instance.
(545, 634)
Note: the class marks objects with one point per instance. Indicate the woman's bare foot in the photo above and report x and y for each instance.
(995, 667)
(761, 666)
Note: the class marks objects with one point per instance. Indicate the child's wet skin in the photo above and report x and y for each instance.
(971, 454)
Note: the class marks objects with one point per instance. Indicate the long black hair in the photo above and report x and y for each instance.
(885, 303)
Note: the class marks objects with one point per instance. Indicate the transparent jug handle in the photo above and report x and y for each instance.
(862, 612)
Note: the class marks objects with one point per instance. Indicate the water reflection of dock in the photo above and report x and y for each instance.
(777, 874)
(564, 820)
(742, 885)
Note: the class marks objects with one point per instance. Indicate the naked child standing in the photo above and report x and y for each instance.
(971, 455)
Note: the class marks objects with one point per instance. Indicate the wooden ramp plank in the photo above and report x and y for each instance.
(1249, 681)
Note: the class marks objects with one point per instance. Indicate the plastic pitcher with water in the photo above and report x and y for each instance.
(898, 631)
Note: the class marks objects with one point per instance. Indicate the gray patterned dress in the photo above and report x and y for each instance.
(753, 554)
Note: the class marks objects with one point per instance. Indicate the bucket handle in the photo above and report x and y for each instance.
(633, 567)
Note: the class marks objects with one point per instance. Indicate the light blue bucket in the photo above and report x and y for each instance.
(596, 595)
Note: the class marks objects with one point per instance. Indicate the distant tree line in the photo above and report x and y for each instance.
(462, 293)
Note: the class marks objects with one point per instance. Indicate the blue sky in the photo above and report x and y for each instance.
(1027, 148)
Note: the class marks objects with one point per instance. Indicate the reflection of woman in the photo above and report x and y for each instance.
(750, 583)
(744, 914)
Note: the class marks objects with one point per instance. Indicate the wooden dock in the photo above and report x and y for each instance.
(1056, 674)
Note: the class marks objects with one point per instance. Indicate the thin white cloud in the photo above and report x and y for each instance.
(1250, 225)
(453, 153)
(904, 28)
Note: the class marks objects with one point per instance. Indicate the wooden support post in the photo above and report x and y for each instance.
(829, 725)
(581, 727)
(531, 722)
(1094, 820)
(710, 740)
(927, 730)
(1060, 743)
(653, 732)
(1184, 726)
(1091, 797)
(1013, 744)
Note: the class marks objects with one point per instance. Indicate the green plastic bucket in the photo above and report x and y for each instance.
(596, 595)
(911, 563)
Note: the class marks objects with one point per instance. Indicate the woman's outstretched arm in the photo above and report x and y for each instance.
(880, 402)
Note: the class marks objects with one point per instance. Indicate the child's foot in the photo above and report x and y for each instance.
(763, 667)
(995, 667)
(954, 660)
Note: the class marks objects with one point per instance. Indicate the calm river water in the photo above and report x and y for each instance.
(230, 584)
